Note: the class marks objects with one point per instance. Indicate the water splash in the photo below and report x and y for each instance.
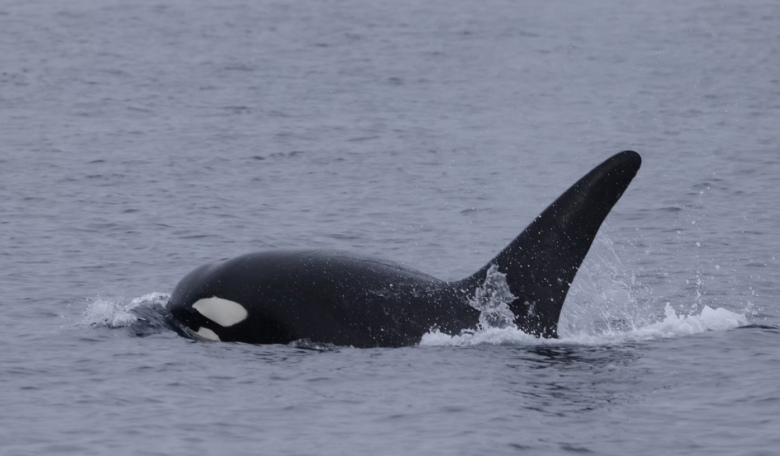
(673, 324)
(606, 296)
(115, 313)
(606, 305)
(492, 300)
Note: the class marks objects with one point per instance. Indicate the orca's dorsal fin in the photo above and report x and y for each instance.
(540, 264)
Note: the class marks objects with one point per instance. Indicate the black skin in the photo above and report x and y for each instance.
(329, 297)
(347, 300)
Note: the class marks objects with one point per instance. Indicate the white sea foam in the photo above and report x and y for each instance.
(673, 324)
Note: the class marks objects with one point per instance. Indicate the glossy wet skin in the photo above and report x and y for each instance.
(323, 296)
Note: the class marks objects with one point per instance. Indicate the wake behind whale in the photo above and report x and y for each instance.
(344, 299)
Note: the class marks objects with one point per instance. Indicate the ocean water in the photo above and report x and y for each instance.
(139, 140)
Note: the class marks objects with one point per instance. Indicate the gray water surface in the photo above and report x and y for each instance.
(140, 140)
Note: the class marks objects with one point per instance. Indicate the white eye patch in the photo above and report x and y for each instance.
(206, 333)
(221, 311)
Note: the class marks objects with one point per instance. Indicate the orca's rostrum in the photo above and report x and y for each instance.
(338, 298)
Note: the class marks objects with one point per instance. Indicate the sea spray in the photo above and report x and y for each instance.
(115, 313)
(492, 300)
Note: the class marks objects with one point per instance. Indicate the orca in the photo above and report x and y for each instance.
(331, 297)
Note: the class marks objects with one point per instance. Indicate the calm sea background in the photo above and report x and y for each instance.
(141, 139)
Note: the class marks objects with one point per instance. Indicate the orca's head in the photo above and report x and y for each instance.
(196, 305)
